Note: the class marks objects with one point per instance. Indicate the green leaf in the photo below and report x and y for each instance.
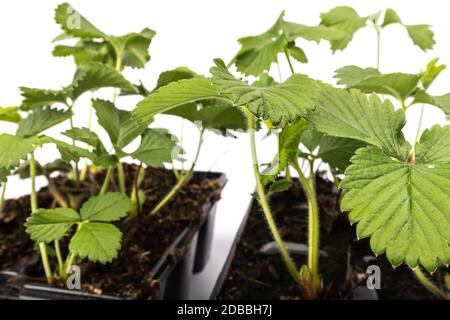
(173, 95)
(86, 51)
(288, 144)
(354, 115)
(49, 225)
(258, 52)
(106, 208)
(10, 114)
(40, 120)
(390, 17)
(335, 151)
(57, 165)
(281, 104)
(134, 47)
(346, 19)
(218, 116)
(296, 52)
(442, 102)
(87, 136)
(97, 241)
(431, 72)
(421, 35)
(35, 98)
(174, 75)
(120, 126)
(352, 75)
(280, 186)
(69, 152)
(157, 147)
(93, 76)
(398, 85)
(13, 149)
(73, 23)
(4, 173)
(403, 207)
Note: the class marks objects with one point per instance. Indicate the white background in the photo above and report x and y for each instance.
(193, 33)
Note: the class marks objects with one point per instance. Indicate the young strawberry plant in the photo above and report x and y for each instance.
(95, 238)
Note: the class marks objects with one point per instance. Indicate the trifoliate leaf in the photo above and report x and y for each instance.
(40, 120)
(94, 76)
(120, 126)
(421, 35)
(403, 207)
(281, 104)
(97, 241)
(335, 151)
(49, 225)
(69, 152)
(73, 23)
(157, 147)
(390, 17)
(257, 53)
(10, 114)
(346, 19)
(87, 136)
(13, 149)
(34, 98)
(106, 208)
(352, 75)
(173, 95)
(354, 115)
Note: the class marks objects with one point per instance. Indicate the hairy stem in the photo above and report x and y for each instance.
(106, 181)
(77, 170)
(121, 175)
(183, 179)
(313, 225)
(59, 257)
(67, 264)
(290, 265)
(34, 208)
(430, 286)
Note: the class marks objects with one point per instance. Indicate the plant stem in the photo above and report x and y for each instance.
(67, 264)
(77, 170)
(34, 208)
(184, 178)
(134, 212)
(2, 197)
(85, 167)
(56, 194)
(59, 257)
(313, 224)
(377, 29)
(121, 177)
(430, 286)
(289, 61)
(290, 265)
(419, 126)
(106, 181)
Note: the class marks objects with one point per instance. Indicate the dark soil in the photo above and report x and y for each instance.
(145, 238)
(256, 276)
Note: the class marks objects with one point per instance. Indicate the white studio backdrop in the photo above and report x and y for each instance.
(193, 33)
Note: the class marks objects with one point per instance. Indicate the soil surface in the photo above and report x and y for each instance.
(254, 275)
(145, 238)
